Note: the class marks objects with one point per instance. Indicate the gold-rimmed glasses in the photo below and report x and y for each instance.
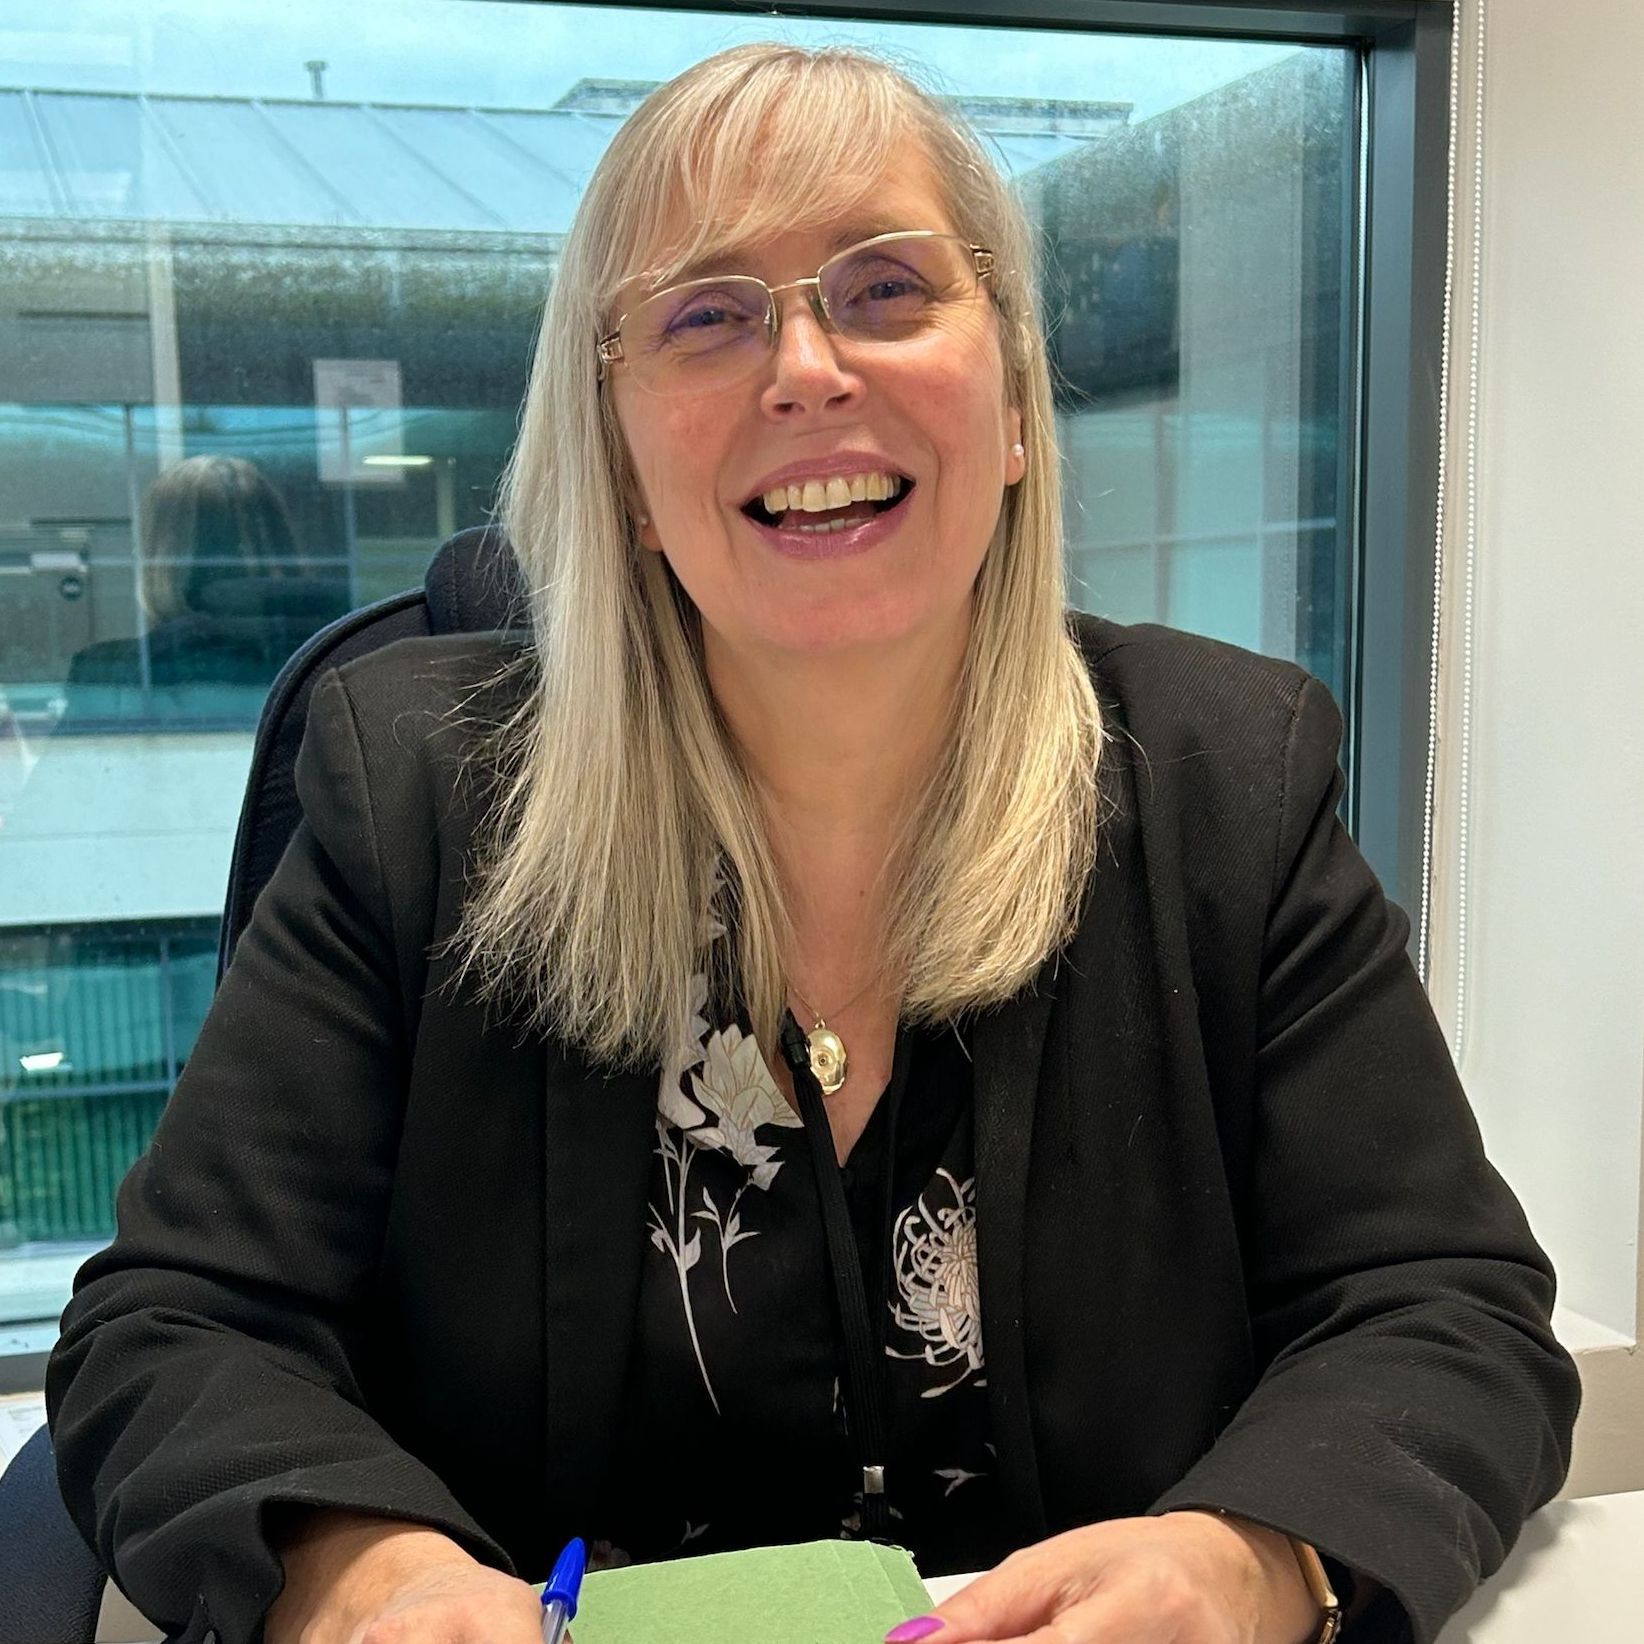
(703, 334)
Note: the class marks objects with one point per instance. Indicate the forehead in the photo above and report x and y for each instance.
(767, 232)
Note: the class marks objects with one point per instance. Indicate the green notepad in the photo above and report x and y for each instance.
(819, 1592)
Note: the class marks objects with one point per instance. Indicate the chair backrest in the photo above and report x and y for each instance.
(51, 1585)
(472, 586)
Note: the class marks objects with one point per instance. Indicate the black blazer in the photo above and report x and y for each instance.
(1239, 1245)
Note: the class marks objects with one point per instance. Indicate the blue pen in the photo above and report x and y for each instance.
(559, 1597)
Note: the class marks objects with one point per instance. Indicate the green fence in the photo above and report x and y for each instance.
(61, 1159)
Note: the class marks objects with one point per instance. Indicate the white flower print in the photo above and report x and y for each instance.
(731, 1081)
(935, 1265)
(712, 926)
(670, 1099)
(850, 1526)
(736, 1086)
(693, 1532)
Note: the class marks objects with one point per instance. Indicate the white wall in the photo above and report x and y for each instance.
(1552, 992)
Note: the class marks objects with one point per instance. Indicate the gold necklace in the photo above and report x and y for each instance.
(829, 1060)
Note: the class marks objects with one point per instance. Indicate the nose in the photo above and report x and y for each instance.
(807, 374)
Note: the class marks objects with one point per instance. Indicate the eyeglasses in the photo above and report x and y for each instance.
(704, 334)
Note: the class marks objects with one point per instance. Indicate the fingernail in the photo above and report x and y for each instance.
(922, 1626)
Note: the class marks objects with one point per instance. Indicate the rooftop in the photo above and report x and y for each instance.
(245, 162)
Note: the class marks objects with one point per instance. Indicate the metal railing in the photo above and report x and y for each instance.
(62, 1157)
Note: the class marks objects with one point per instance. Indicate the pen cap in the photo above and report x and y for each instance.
(566, 1581)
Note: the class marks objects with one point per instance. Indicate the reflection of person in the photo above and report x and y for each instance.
(225, 596)
(207, 520)
(490, 1208)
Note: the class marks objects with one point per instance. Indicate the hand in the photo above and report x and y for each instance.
(353, 1579)
(1181, 1578)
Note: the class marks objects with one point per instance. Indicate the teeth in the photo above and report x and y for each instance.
(819, 496)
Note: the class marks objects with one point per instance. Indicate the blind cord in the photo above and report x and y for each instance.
(1469, 544)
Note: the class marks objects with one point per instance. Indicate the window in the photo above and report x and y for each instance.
(267, 303)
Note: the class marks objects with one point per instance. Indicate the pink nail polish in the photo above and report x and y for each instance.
(921, 1626)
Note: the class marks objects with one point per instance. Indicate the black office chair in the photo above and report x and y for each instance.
(51, 1585)
(472, 586)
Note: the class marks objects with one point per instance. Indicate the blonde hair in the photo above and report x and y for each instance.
(625, 807)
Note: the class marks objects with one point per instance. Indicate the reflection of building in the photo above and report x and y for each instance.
(171, 270)
(345, 295)
(1197, 330)
(175, 266)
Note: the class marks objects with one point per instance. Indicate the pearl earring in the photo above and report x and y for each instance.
(1018, 450)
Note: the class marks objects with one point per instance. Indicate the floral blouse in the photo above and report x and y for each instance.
(739, 1434)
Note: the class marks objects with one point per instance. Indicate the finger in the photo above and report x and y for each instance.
(1131, 1609)
(1015, 1597)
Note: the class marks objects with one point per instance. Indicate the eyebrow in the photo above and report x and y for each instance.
(730, 259)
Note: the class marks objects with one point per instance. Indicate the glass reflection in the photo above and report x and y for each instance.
(265, 331)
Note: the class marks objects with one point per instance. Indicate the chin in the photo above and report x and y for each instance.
(846, 623)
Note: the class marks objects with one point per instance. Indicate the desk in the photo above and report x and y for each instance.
(1573, 1575)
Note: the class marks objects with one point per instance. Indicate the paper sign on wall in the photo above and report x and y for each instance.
(357, 408)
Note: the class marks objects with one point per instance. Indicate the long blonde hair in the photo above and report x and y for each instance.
(625, 808)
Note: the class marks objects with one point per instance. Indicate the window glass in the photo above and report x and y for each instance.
(267, 297)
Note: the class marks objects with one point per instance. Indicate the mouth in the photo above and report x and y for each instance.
(824, 507)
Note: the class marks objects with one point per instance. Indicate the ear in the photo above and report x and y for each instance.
(1015, 465)
(644, 527)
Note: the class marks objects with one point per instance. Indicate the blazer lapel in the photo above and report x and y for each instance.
(1007, 1048)
(599, 1133)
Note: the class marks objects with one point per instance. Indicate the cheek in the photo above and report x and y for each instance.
(968, 428)
(962, 399)
(675, 451)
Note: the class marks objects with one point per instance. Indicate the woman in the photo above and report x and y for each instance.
(226, 598)
(816, 1042)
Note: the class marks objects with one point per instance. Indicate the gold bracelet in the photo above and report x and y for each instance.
(1319, 1590)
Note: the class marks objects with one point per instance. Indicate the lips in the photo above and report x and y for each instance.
(834, 535)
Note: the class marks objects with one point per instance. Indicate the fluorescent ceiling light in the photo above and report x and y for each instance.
(396, 462)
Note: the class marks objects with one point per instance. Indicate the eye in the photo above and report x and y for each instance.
(883, 285)
(700, 317)
(893, 286)
(882, 297)
(708, 318)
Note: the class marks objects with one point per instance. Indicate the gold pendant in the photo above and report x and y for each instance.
(827, 1057)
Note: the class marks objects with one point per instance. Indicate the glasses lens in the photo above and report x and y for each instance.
(694, 335)
(894, 287)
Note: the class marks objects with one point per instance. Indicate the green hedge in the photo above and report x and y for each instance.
(61, 1159)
